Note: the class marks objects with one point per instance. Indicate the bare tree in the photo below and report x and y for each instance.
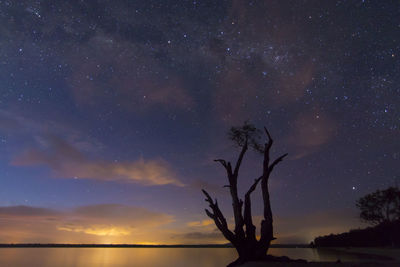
(243, 237)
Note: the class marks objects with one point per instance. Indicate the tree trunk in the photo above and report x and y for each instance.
(250, 250)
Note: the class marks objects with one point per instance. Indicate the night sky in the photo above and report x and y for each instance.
(111, 113)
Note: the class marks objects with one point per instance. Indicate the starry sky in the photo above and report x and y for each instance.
(111, 113)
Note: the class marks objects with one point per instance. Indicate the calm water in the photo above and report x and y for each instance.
(148, 257)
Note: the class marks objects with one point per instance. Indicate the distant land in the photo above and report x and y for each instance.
(386, 234)
(39, 245)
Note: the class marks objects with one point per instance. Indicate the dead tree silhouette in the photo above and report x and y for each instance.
(243, 237)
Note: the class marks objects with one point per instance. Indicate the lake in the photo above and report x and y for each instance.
(151, 257)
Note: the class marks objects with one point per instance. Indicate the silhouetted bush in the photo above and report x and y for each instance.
(380, 206)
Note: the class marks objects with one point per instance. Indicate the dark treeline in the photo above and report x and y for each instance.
(383, 235)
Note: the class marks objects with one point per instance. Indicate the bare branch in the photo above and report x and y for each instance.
(209, 214)
(241, 155)
(223, 162)
(276, 162)
(218, 217)
(208, 198)
(267, 148)
(269, 143)
(268, 134)
(237, 207)
(227, 166)
(214, 206)
(253, 187)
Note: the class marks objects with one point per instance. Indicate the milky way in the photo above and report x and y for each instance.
(124, 105)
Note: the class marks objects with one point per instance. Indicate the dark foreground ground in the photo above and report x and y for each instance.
(321, 264)
(393, 253)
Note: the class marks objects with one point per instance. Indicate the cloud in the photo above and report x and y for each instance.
(39, 130)
(13, 123)
(292, 87)
(8, 123)
(115, 223)
(310, 131)
(112, 220)
(67, 161)
(122, 213)
(97, 230)
(216, 235)
(200, 232)
(82, 224)
(313, 129)
(200, 223)
(27, 211)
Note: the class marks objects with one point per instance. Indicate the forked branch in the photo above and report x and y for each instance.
(253, 187)
(241, 155)
(227, 166)
(218, 217)
(270, 141)
(271, 167)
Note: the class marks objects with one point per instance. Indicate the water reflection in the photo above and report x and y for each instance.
(150, 257)
(116, 257)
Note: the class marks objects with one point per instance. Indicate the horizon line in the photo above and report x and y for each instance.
(227, 245)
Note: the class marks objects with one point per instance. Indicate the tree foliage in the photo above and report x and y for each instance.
(246, 133)
(380, 206)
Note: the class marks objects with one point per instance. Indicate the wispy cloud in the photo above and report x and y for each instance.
(112, 220)
(199, 231)
(200, 223)
(100, 230)
(67, 161)
(214, 236)
(36, 224)
(27, 211)
(37, 131)
(310, 131)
